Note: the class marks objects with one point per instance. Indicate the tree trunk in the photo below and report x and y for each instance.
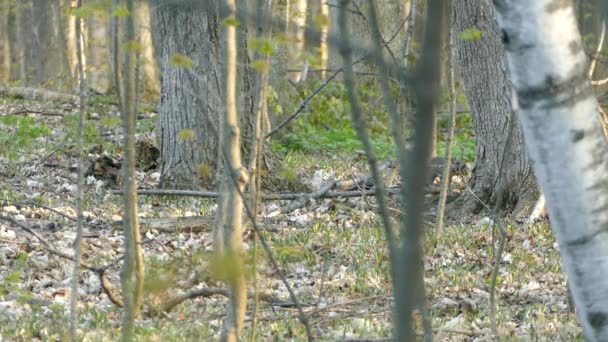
(191, 98)
(132, 272)
(488, 86)
(565, 138)
(44, 44)
(149, 83)
(228, 232)
(5, 41)
(98, 52)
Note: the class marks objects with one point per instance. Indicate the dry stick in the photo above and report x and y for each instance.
(359, 125)
(79, 181)
(323, 85)
(445, 179)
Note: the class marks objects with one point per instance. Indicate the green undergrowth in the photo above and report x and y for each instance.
(325, 126)
(20, 135)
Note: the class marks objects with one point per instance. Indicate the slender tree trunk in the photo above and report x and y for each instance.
(447, 167)
(488, 86)
(132, 273)
(99, 63)
(150, 80)
(296, 50)
(558, 113)
(228, 232)
(79, 181)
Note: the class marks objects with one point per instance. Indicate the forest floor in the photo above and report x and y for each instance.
(331, 252)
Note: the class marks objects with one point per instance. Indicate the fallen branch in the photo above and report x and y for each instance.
(32, 111)
(191, 224)
(38, 94)
(276, 196)
(218, 291)
(300, 202)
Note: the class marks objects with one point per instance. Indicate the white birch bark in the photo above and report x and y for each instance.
(558, 113)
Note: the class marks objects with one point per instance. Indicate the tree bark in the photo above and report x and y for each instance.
(44, 44)
(488, 86)
(132, 272)
(191, 97)
(228, 232)
(5, 41)
(564, 135)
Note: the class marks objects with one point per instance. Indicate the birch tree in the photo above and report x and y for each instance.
(560, 122)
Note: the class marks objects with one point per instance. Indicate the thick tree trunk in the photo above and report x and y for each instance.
(191, 97)
(488, 86)
(44, 44)
(565, 138)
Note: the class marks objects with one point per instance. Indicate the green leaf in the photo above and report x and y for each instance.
(470, 34)
(262, 45)
(260, 65)
(180, 60)
(186, 134)
(120, 11)
(231, 22)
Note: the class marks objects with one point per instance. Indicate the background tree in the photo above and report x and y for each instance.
(482, 63)
(187, 33)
